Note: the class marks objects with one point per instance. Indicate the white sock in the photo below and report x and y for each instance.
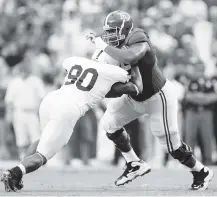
(198, 166)
(130, 156)
(23, 169)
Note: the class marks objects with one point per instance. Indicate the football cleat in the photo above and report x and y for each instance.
(202, 179)
(11, 181)
(133, 170)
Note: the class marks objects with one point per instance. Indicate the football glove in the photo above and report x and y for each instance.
(99, 43)
(91, 36)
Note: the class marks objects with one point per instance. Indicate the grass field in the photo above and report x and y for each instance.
(160, 182)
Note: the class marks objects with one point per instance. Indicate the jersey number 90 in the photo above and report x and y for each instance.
(79, 76)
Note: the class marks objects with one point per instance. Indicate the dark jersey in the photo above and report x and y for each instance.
(152, 77)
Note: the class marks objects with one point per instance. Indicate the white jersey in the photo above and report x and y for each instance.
(87, 81)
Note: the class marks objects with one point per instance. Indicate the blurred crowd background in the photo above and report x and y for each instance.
(35, 36)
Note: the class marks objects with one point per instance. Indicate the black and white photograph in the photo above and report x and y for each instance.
(108, 98)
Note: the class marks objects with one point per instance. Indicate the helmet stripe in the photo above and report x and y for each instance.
(131, 28)
(122, 26)
(106, 20)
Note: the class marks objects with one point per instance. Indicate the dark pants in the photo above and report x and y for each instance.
(199, 131)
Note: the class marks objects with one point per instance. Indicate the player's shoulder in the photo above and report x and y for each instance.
(68, 62)
(137, 35)
(74, 59)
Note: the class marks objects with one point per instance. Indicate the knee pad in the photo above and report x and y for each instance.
(121, 139)
(183, 153)
(119, 136)
(108, 123)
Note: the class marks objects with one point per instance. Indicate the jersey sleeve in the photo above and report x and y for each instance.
(136, 36)
(121, 75)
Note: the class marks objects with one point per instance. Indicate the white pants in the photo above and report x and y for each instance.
(162, 111)
(26, 127)
(58, 116)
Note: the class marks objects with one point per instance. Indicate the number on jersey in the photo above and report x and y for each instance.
(83, 79)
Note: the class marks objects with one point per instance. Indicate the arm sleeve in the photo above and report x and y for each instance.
(118, 89)
(129, 55)
(122, 76)
(114, 73)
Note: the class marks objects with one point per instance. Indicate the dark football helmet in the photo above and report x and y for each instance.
(117, 26)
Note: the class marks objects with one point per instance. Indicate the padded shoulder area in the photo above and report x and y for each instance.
(136, 36)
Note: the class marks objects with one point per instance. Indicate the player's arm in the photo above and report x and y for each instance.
(129, 55)
(118, 89)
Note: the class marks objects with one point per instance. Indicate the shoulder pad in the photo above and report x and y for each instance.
(136, 36)
(67, 63)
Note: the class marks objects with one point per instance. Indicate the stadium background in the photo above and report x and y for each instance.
(38, 35)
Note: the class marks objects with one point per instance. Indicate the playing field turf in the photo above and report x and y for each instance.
(47, 182)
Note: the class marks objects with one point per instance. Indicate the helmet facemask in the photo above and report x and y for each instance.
(113, 36)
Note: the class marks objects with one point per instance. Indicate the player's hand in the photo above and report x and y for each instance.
(91, 36)
(97, 40)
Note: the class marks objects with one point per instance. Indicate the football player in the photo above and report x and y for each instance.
(87, 82)
(131, 46)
